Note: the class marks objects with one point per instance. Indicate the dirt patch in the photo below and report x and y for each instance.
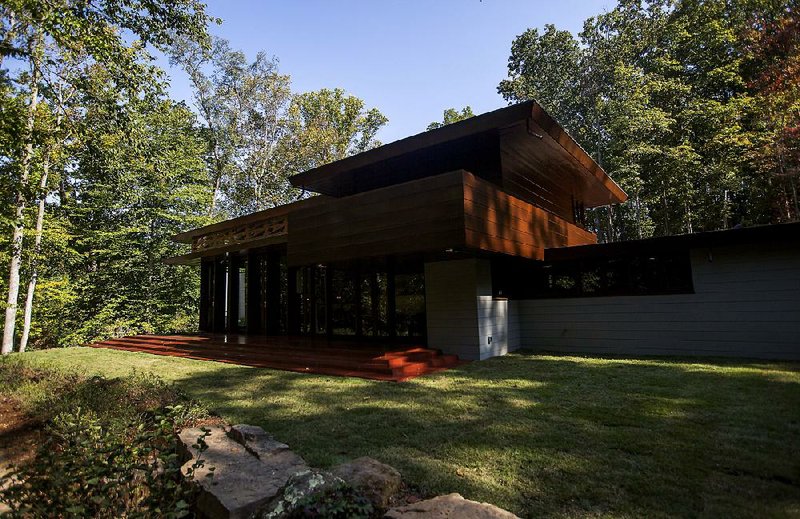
(19, 434)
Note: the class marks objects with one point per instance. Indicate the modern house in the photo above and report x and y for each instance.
(471, 239)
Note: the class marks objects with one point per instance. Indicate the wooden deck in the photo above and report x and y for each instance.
(300, 354)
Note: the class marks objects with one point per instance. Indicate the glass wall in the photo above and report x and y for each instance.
(259, 294)
(361, 300)
(410, 304)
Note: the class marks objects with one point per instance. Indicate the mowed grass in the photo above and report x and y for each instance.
(539, 435)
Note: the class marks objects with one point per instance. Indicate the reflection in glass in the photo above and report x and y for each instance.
(242, 296)
(410, 305)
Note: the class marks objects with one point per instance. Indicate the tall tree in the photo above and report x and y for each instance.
(259, 133)
(242, 106)
(772, 71)
(328, 125)
(100, 31)
(139, 179)
(658, 93)
(35, 51)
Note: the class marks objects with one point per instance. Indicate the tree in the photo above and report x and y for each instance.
(35, 30)
(772, 71)
(259, 133)
(242, 106)
(657, 92)
(139, 179)
(450, 116)
(328, 125)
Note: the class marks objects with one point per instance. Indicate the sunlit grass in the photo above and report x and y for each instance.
(539, 435)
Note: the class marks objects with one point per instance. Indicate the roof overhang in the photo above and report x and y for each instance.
(784, 233)
(601, 189)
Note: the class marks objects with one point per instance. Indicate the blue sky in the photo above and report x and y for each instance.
(409, 58)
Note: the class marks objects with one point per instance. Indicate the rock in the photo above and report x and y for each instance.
(256, 440)
(241, 483)
(300, 486)
(449, 506)
(375, 480)
(285, 462)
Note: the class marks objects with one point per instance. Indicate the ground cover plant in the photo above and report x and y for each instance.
(539, 435)
(99, 447)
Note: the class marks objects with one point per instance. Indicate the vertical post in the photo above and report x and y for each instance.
(206, 271)
(391, 311)
(375, 299)
(233, 294)
(356, 277)
(328, 301)
(293, 301)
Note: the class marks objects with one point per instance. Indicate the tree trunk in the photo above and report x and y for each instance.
(37, 245)
(19, 203)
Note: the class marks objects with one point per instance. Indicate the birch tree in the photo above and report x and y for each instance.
(101, 31)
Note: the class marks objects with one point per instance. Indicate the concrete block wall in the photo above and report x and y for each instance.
(462, 316)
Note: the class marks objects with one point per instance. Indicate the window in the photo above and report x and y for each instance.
(623, 275)
(410, 304)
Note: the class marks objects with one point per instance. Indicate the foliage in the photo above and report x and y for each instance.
(86, 128)
(450, 116)
(85, 470)
(57, 52)
(125, 169)
(329, 125)
(338, 502)
(46, 393)
(259, 133)
(111, 448)
(138, 182)
(663, 95)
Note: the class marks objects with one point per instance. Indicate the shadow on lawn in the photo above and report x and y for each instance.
(549, 435)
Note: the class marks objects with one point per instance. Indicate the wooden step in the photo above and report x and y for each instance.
(304, 355)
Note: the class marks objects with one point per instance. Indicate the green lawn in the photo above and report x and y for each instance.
(538, 435)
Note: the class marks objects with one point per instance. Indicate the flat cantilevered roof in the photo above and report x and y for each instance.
(526, 125)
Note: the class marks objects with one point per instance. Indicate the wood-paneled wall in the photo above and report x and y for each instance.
(422, 215)
(499, 222)
(454, 210)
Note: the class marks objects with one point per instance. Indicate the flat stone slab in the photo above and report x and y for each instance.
(257, 441)
(450, 506)
(375, 480)
(241, 483)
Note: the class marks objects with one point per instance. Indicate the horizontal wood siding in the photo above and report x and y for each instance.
(532, 175)
(424, 215)
(746, 304)
(498, 222)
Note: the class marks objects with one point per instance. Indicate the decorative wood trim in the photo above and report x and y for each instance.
(242, 234)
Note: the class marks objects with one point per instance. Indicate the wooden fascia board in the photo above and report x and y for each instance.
(235, 247)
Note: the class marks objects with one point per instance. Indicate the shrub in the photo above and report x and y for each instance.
(110, 448)
(339, 502)
(86, 470)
